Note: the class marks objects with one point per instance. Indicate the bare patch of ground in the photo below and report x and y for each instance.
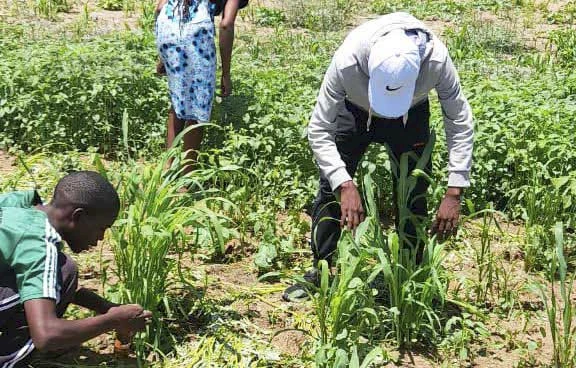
(257, 307)
(6, 163)
(99, 21)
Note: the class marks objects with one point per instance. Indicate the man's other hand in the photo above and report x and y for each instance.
(448, 215)
(351, 205)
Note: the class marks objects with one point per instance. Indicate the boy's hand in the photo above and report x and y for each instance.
(130, 317)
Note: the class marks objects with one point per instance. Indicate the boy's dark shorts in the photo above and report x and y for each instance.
(15, 341)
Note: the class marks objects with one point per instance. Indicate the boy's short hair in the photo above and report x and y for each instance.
(88, 190)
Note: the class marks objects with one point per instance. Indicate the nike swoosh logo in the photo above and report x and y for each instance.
(392, 89)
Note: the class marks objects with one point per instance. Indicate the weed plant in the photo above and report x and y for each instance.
(49, 8)
(559, 308)
(76, 94)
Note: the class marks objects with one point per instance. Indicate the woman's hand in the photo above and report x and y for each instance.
(226, 86)
(160, 68)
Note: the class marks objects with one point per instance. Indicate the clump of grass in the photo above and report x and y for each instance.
(322, 16)
(477, 38)
(563, 42)
(541, 207)
(158, 226)
(444, 9)
(49, 8)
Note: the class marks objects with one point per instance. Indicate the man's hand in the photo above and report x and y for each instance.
(225, 86)
(351, 205)
(130, 317)
(446, 222)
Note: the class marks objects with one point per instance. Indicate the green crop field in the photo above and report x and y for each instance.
(78, 90)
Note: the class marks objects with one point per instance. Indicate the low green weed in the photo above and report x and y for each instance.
(461, 332)
(563, 41)
(76, 94)
(269, 17)
(126, 5)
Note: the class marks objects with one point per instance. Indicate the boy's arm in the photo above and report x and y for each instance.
(49, 332)
(90, 300)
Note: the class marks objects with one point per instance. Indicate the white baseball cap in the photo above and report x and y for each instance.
(394, 64)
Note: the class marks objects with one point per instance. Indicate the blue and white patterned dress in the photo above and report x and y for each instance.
(186, 46)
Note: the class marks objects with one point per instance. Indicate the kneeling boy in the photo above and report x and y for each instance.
(38, 281)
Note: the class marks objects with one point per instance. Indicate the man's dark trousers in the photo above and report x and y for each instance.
(352, 140)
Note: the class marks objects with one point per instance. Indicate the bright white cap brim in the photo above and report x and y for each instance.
(390, 104)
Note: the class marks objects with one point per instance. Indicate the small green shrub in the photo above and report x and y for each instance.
(563, 42)
(76, 94)
(269, 17)
(49, 8)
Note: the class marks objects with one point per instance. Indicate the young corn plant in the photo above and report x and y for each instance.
(415, 292)
(486, 284)
(412, 273)
(346, 309)
(370, 262)
(563, 334)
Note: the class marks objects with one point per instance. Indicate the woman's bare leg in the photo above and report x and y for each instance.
(175, 127)
(192, 141)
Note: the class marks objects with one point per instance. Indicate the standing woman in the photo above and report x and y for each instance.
(185, 41)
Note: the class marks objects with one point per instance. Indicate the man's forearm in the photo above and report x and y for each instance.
(72, 333)
(454, 191)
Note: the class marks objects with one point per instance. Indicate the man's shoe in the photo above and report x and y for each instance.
(300, 292)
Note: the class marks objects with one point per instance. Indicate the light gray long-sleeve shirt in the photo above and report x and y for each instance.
(347, 78)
